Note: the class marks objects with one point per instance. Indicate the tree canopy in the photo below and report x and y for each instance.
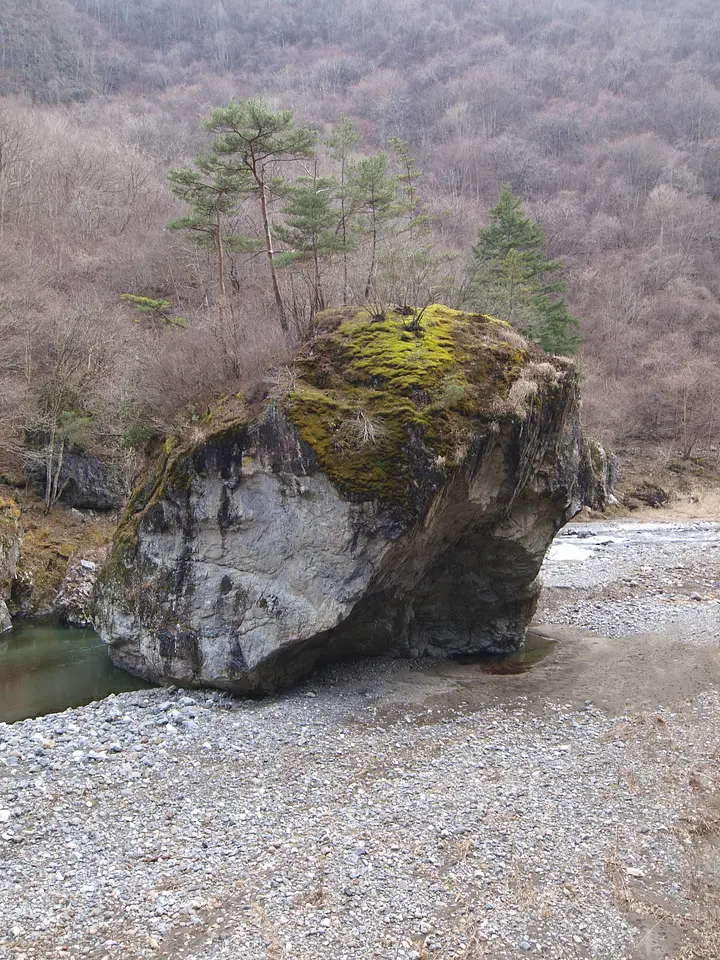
(511, 275)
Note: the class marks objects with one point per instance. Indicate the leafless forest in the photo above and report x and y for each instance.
(604, 115)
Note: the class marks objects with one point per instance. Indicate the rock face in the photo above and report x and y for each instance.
(599, 474)
(74, 600)
(395, 496)
(87, 482)
(9, 556)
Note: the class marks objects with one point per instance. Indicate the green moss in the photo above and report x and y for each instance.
(388, 406)
(146, 493)
(387, 403)
(49, 541)
(9, 511)
(9, 517)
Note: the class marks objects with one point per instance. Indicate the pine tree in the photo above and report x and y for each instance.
(511, 275)
(310, 229)
(214, 192)
(557, 326)
(157, 310)
(373, 192)
(254, 141)
(340, 145)
(406, 182)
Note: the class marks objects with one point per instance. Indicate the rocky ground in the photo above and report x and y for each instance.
(395, 809)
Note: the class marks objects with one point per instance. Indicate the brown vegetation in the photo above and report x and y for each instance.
(604, 117)
(49, 542)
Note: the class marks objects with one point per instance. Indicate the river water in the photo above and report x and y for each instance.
(46, 669)
(580, 541)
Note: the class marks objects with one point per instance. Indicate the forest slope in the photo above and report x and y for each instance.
(605, 117)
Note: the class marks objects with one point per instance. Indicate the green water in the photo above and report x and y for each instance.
(46, 669)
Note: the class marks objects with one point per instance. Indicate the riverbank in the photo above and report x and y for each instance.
(399, 809)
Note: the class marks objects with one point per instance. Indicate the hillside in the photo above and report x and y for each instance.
(605, 118)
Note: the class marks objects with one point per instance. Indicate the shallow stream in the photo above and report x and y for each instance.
(45, 668)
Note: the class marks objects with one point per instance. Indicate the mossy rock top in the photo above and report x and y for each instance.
(389, 402)
(388, 405)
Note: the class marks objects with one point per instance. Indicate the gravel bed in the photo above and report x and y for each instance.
(627, 578)
(341, 822)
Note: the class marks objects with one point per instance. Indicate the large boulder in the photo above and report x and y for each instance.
(395, 495)
(598, 475)
(89, 482)
(74, 600)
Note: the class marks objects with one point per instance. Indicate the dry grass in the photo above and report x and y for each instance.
(517, 400)
(364, 428)
(470, 943)
(275, 947)
(541, 372)
(698, 925)
(513, 337)
(534, 375)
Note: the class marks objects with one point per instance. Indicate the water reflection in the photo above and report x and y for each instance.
(45, 669)
(536, 648)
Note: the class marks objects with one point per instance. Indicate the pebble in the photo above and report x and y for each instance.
(329, 823)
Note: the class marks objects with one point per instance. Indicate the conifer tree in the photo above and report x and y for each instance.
(409, 270)
(373, 192)
(310, 228)
(511, 275)
(254, 141)
(214, 192)
(340, 145)
(160, 311)
(406, 182)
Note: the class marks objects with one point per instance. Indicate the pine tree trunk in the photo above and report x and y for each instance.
(371, 272)
(319, 295)
(56, 479)
(49, 457)
(344, 233)
(220, 250)
(271, 258)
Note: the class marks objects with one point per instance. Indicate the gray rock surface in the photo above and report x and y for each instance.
(599, 474)
(88, 482)
(74, 601)
(10, 540)
(253, 567)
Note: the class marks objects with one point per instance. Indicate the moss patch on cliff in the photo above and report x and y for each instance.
(9, 537)
(388, 404)
(9, 520)
(169, 469)
(49, 541)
